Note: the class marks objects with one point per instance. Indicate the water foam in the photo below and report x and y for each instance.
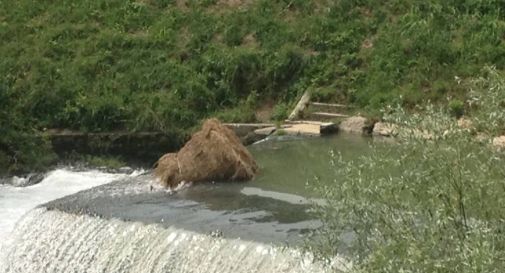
(16, 201)
(54, 241)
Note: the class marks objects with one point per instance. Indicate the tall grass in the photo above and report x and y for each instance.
(160, 64)
(21, 149)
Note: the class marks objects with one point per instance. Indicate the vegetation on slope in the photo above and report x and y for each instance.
(164, 64)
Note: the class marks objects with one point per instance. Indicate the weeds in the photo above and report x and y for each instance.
(487, 100)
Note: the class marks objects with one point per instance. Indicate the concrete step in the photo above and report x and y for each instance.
(324, 127)
(330, 115)
(315, 122)
(303, 129)
(335, 105)
(299, 127)
(327, 107)
(325, 116)
(242, 129)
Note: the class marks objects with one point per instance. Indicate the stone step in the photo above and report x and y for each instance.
(300, 127)
(335, 105)
(303, 129)
(242, 129)
(324, 127)
(332, 115)
(265, 131)
(315, 122)
(327, 107)
(326, 116)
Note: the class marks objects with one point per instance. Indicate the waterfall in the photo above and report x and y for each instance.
(53, 241)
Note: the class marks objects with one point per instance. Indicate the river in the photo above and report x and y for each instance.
(270, 212)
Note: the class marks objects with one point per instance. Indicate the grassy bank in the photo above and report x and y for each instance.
(165, 64)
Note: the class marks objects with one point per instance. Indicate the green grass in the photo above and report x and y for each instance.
(159, 64)
(103, 161)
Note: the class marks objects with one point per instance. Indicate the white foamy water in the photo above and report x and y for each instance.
(54, 241)
(16, 201)
(36, 240)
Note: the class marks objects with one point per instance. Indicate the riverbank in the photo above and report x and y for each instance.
(163, 66)
(349, 172)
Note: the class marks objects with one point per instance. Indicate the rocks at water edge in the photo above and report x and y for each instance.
(385, 129)
(213, 153)
(356, 124)
(25, 181)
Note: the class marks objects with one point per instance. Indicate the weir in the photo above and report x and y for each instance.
(229, 209)
(54, 241)
(129, 226)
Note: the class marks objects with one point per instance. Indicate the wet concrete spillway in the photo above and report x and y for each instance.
(219, 209)
(129, 226)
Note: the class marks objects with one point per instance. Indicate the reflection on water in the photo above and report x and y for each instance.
(289, 165)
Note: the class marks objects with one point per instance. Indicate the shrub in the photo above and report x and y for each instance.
(456, 108)
(103, 161)
(22, 148)
(323, 94)
(237, 115)
(434, 202)
(280, 112)
(487, 99)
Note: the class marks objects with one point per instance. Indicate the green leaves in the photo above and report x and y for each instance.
(432, 202)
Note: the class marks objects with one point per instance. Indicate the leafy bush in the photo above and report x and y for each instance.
(456, 108)
(280, 112)
(239, 114)
(21, 147)
(433, 202)
(323, 94)
(107, 162)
